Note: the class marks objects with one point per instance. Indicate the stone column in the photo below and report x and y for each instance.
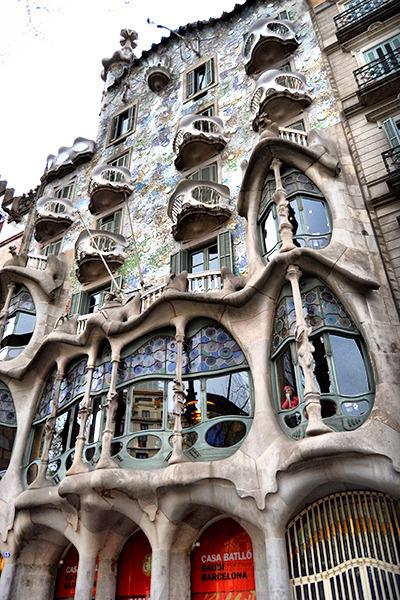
(78, 466)
(282, 206)
(106, 461)
(160, 573)
(177, 455)
(49, 428)
(4, 311)
(277, 568)
(8, 579)
(85, 576)
(106, 578)
(305, 351)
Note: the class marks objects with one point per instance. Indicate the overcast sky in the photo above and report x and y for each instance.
(50, 64)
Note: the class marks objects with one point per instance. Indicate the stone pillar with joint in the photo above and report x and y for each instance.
(3, 314)
(85, 409)
(49, 429)
(177, 455)
(305, 351)
(85, 576)
(110, 407)
(282, 207)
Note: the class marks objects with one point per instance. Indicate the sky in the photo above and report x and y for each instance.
(50, 64)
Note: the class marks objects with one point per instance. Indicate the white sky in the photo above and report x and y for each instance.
(50, 64)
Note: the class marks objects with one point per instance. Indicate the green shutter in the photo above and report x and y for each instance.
(114, 129)
(225, 250)
(116, 283)
(79, 303)
(131, 115)
(209, 77)
(392, 132)
(190, 84)
(117, 222)
(179, 262)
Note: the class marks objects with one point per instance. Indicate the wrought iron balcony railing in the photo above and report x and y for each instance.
(362, 11)
(378, 70)
(391, 158)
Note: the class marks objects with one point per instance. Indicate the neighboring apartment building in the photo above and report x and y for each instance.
(199, 339)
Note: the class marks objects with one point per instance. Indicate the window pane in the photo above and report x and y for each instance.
(270, 232)
(94, 432)
(315, 217)
(228, 395)
(321, 367)
(350, 369)
(147, 405)
(213, 261)
(197, 262)
(287, 389)
(192, 411)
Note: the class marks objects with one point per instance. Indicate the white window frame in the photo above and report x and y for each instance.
(211, 161)
(132, 106)
(200, 93)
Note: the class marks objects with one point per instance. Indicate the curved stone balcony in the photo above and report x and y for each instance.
(53, 217)
(198, 139)
(281, 95)
(267, 42)
(93, 248)
(198, 206)
(108, 187)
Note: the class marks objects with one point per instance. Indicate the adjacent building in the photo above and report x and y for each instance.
(199, 355)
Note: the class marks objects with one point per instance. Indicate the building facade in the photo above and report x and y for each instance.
(200, 328)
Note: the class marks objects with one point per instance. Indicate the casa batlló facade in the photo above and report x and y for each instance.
(199, 335)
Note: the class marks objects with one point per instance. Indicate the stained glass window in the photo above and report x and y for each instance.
(211, 349)
(7, 409)
(156, 357)
(47, 397)
(321, 309)
(73, 384)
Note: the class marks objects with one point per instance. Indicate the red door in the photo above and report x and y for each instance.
(67, 574)
(222, 564)
(134, 569)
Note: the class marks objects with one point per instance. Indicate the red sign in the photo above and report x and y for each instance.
(134, 569)
(222, 565)
(67, 574)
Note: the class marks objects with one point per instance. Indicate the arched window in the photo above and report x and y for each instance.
(218, 406)
(134, 569)
(341, 370)
(66, 422)
(346, 546)
(308, 213)
(8, 427)
(19, 324)
(222, 563)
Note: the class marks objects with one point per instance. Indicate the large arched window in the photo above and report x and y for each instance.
(346, 546)
(134, 569)
(308, 213)
(218, 405)
(341, 370)
(66, 422)
(8, 427)
(19, 324)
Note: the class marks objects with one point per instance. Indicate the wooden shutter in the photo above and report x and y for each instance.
(392, 132)
(209, 76)
(116, 228)
(79, 304)
(114, 128)
(190, 90)
(131, 116)
(225, 250)
(179, 262)
(118, 283)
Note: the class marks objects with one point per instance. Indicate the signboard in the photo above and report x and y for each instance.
(134, 569)
(67, 574)
(222, 564)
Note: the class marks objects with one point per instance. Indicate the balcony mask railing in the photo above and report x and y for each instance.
(267, 28)
(195, 125)
(273, 82)
(378, 69)
(49, 206)
(358, 11)
(198, 193)
(108, 174)
(293, 135)
(95, 242)
(391, 158)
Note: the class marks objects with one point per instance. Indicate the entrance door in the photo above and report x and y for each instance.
(67, 574)
(134, 569)
(222, 564)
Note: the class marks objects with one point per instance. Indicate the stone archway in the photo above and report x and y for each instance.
(134, 569)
